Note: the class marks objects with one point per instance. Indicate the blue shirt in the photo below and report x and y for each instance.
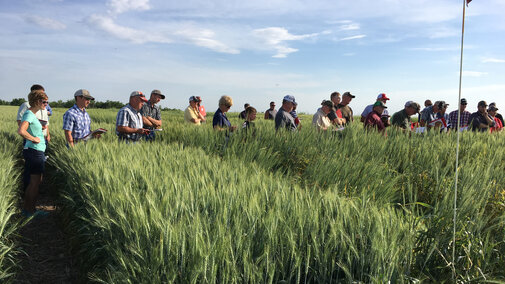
(128, 116)
(35, 130)
(220, 119)
(78, 122)
(49, 110)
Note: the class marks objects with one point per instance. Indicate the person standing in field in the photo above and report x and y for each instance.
(201, 108)
(30, 129)
(430, 114)
(335, 115)
(250, 116)
(445, 116)
(295, 116)
(498, 125)
(320, 119)
(283, 118)
(380, 98)
(151, 114)
(76, 120)
(499, 116)
(271, 112)
(465, 116)
(129, 124)
(344, 107)
(191, 114)
(402, 119)
(373, 119)
(427, 103)
(481, 120)
(42, 116)
(220, 121)
(242, 113)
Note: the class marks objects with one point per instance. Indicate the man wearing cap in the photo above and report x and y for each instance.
(402, 118)
(431, 113)
(373, 119)
(380, 98)
(151, 114)
(191, 114)
(465, 116)
(481, 120)
(129, 124)
(283, 118)
(271, 112)
(320, 119)
(335, 115)
(76, 121)
(344, 107)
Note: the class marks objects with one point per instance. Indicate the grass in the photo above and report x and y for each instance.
(198, 206)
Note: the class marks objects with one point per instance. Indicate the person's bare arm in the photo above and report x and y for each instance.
(22, 130)
(128, 130)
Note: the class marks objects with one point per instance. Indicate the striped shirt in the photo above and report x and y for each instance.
(128, 116)
(77, 121)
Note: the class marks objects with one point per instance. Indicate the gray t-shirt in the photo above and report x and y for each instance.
(154, 112)
(284, 120)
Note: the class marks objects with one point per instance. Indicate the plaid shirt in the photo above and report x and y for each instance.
(78, 122)
(128, 116)
(453, 119)
(151, 111)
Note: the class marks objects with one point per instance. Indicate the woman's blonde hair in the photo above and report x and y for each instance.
(225, 101)
(35, 96)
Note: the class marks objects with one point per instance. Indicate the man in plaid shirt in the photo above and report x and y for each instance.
(76, 121)
(129, 125)
(465, 116)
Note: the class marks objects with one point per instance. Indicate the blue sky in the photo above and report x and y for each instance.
(254, 51)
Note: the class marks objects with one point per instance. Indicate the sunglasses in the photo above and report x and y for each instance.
(88, 99)
(228, 106)
(44, 102)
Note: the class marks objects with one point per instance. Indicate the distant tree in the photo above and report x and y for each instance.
(4, 103)
(17, 102)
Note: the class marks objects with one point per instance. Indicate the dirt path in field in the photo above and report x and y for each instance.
(47, 258)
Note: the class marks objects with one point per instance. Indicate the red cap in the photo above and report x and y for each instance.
(382, 96)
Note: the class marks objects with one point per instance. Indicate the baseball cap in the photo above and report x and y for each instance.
(379, 103)
(464, 102)
(482, 103)
(492, 107)
(158, 92)
(382, 96)
(492, 104)
(194, 99)
(289, 98)
(272, 103)
(83, 93)
(139, 94)
(413, 104)
(327, 103)
(349, 94)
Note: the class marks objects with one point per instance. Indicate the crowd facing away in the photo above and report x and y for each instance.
(140, 119)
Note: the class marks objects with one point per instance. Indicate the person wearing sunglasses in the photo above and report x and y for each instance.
(42, 115)
(129, 124)
(30, 129)
(220, 121)
(76, 121)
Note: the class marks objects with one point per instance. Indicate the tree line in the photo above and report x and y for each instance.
(70, 103)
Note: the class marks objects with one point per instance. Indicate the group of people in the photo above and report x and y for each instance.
(141, 119)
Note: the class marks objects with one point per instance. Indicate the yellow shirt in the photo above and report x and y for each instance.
(191, 113)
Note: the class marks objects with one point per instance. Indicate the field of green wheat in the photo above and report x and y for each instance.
(199, 206)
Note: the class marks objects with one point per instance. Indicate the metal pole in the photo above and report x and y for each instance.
(457, 149)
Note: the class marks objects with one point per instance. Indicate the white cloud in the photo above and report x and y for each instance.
(108, 25)
(353, 37)
(474, 74)
(434, 49)
(121, 6)
(350, 27)
(493, 60)
(47, 23)
(275, 38)
(205, 38)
